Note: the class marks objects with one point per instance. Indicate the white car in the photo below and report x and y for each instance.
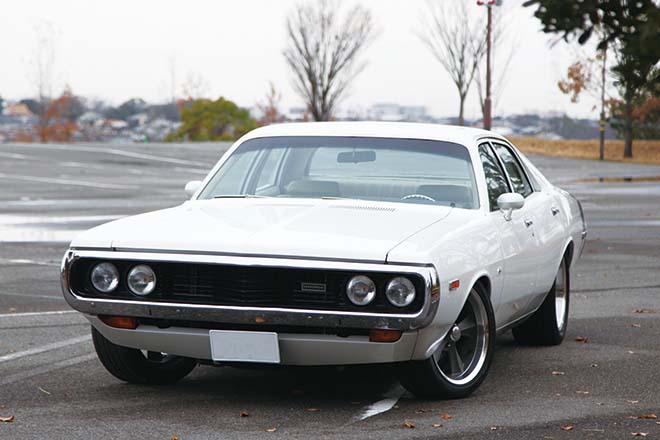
(332, 244)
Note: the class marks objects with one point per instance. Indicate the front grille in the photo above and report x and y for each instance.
(247, 286)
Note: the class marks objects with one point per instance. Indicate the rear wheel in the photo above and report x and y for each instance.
(135, 366)
(461, 361)
(547, 326)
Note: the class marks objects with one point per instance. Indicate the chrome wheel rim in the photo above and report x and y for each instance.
(560, 297)
(462, 353)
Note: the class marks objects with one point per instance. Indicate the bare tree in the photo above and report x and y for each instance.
(503, 51)
(323, 52)
(42, 72)
(195, 86)
(457, 41)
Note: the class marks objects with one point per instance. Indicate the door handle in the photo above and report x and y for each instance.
(554, 210)
(529, 222)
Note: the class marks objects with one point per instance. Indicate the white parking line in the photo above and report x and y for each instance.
(117, 152)
(65, 182)
(26, 261)
(46, 369)
(386, 404)
(53, 312)
(44, 348)
(31, 295)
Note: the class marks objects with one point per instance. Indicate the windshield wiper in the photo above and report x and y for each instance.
(240, 196)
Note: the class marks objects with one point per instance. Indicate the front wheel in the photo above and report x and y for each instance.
(134, 366)
(547, 326)
(461, 361)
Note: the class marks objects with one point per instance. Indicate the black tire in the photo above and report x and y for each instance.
(543, 328)
(429, 379)
(130, 365)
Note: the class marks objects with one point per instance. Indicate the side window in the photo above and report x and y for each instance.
(514, 170)
(495, 180)
(269, 168)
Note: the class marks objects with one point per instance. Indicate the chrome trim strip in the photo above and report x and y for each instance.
(252, 315)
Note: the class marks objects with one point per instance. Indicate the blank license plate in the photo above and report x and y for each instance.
(240, 346)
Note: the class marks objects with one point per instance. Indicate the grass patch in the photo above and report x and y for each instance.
(644, 151)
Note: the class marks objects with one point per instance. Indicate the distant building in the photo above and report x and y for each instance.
(394, 112)
(17, 110)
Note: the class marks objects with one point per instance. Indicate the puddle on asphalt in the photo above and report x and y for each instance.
(615, 179)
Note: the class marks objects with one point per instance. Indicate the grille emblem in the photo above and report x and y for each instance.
(312, 287)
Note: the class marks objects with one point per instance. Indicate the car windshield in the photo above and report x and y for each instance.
(366, 168)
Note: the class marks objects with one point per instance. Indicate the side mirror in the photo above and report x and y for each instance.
(508, 202)
(192, 187)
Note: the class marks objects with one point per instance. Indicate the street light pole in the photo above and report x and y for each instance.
(488, 102)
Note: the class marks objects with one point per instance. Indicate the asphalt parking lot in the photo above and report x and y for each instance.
(54, 387)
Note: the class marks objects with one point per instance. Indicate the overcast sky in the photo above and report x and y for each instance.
(120, 49)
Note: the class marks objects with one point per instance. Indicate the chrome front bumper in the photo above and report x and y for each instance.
(252, 315)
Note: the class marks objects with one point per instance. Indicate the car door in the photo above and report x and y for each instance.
(529, 217)
(518, 243)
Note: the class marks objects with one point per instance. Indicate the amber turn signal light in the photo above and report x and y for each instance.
(125, 322)
(384, 335)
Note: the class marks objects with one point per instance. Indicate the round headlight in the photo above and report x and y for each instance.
(400, 291)
(105, 277)
(361, 290)
(141, 280)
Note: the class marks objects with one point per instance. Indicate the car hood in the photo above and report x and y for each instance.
(328, 229)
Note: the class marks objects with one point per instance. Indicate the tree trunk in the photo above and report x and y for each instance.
(461, 111)
(628, 128)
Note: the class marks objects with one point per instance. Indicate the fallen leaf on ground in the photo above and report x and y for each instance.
(312, 409)
(273, 429)
(582, 339)
(408, 424)
(174, 437)
(632, 401)
(423, 411)
(558, 373)
(639, 434)
(7, 419)
(581, 392)
(650, 416)
(244, 414)
(446, 416)
(438, 425)
(567, 427)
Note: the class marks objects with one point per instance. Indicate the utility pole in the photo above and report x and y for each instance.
(488, 103)
(602, 105)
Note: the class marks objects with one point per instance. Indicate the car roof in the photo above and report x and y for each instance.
(405, 130)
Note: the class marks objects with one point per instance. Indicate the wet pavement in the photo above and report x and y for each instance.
(51, 382)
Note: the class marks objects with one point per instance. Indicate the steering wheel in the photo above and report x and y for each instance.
(418, 197)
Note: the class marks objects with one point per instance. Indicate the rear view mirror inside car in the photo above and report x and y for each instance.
(356, 156)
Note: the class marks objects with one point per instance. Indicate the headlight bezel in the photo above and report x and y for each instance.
(115, 273)
(150, 286)
(401, 281)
